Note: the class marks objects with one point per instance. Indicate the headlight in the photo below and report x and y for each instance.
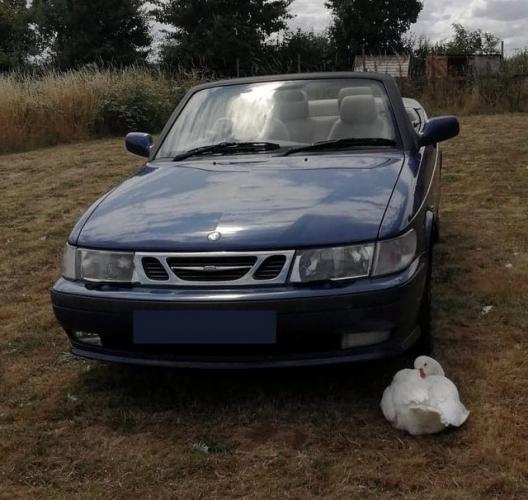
(395, 255)
(98, 266)
(353, 262)
(332, 263)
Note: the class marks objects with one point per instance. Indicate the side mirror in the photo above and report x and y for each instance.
(439, 129)
(139, 144)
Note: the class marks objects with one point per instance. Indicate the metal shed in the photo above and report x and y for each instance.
(396, 66)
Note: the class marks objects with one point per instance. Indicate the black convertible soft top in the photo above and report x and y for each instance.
(409, 138)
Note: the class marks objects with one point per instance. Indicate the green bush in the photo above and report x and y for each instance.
(136, 109)
(143, 101)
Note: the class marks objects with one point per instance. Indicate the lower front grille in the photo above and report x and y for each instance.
(214, 268)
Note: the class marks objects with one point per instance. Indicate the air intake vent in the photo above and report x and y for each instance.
(210, 269)
(154, 270)
(270, 268)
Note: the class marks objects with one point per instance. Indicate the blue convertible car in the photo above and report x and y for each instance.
(279, 221)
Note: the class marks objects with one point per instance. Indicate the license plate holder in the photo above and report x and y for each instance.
(198, 327)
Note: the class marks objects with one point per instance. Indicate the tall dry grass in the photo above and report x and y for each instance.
(66, 107)
(493, 95)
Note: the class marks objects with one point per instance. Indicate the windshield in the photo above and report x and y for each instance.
(290, 114)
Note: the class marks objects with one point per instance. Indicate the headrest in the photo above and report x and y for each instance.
(347, 91)
(292, 104)
(359, 109)
(411, 113)
(290, 95)
(324, 107)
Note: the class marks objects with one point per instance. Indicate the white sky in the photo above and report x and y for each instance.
(508, 19)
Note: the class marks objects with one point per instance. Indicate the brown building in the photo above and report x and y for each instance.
(461, 66)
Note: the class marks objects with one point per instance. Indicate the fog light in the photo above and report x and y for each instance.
(88, 338)
(361, 339)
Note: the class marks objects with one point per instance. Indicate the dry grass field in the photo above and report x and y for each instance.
(71, 429)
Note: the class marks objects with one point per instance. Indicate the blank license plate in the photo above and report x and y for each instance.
(205, 327)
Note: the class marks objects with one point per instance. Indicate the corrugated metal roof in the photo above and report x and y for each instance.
(396, 66)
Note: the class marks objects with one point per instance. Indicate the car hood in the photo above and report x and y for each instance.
(275, 203)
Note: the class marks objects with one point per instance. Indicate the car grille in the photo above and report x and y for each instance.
(154, 269)
(223, 268)
(211, 268)
(270, 268)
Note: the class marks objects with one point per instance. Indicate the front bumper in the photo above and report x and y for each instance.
(310, 321)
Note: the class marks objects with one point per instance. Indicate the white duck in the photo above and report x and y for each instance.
(423, 401)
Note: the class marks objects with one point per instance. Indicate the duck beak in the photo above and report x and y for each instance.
(422, 373)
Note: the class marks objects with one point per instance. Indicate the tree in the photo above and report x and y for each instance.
(468, 42)
(373, 26)
(17, 39)
(103, 32)
(212, 34)
(314, 51)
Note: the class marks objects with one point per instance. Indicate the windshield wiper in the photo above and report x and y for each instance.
(229, 147)
(341, 144)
